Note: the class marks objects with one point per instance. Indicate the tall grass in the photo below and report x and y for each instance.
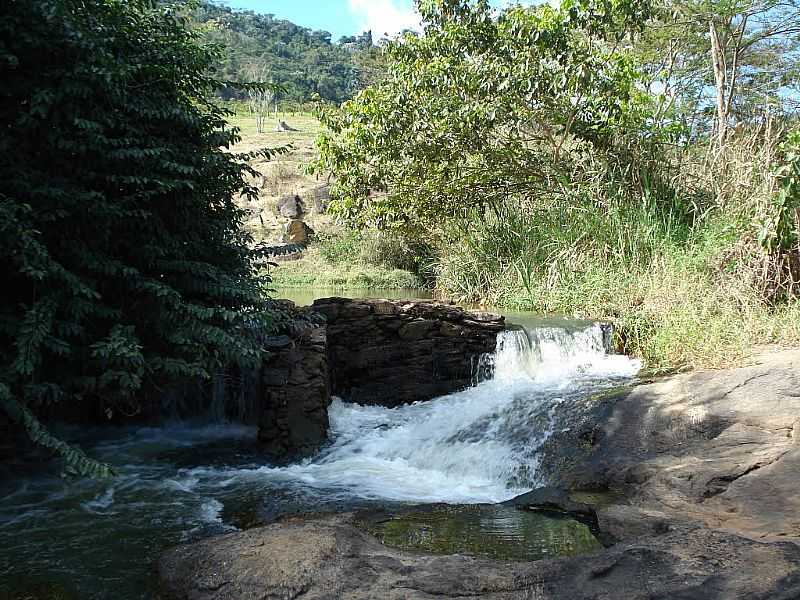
(356, 260)
(668, 252)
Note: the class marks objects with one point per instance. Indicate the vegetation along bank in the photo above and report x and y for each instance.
(593, 162)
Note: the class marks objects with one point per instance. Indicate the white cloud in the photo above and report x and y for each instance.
(385, 17)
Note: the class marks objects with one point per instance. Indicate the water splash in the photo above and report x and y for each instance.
(187, 480)
(478, 445)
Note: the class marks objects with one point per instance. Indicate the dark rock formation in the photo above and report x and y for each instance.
(553, 499)
(280, 252)
(327, 558)
(295, 393)
(396, 352)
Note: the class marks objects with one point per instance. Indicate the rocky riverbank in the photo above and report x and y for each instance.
(690, 480)
(718, 447)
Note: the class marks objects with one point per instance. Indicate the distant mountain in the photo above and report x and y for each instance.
(303, 61)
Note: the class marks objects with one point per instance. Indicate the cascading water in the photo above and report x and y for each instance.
(478, 445)
(179, 482)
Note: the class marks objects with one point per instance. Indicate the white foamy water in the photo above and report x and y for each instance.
(478, 445)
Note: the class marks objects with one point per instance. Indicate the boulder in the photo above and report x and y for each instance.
(291, 206)
(298, 232)
(282, 126)
(716, 447)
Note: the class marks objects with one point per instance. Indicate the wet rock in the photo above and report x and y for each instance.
(554, 499)
(295, 394)
(328, 558)
(276, 342)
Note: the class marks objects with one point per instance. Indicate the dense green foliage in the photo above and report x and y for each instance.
(560, 160)
(478, 110)
(303, 62)
(781, 232)
(124, 264)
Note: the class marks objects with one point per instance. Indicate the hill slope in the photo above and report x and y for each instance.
(305, 62)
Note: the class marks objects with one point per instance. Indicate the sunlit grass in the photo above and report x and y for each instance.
(312, 270)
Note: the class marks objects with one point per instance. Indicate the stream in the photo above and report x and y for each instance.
(186, 480)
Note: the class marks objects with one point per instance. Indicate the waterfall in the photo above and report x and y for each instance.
(478, 445)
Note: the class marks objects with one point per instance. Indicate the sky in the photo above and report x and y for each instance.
(342, 17)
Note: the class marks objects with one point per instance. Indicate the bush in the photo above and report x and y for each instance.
(373, 248)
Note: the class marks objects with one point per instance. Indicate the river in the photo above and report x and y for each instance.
(186, 480)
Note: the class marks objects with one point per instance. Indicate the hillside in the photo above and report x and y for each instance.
(303, 61)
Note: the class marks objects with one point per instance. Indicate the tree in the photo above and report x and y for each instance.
(259, 97)
(753, 46)
(480, 109)
(124, 263)
(746, 53)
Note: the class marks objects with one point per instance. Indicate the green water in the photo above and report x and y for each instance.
(487, 530)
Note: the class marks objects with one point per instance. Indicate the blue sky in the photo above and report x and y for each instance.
(341, 17)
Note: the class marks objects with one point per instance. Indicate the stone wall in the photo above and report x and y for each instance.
(371, 352)
(295, 393)
(390, 353)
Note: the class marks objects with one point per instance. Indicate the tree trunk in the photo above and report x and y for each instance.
(718, 60)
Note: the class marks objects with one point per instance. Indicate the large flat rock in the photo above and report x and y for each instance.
(720, 447)
(327, 558)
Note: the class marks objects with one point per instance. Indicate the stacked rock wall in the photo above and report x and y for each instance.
(378, 352)
(390, 353)
(295, 394)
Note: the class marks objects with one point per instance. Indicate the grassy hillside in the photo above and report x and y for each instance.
(336, 258)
